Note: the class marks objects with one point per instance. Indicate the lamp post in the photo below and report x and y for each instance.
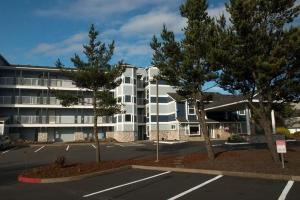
(157, 122)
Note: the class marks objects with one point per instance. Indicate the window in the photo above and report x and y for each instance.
(241, 112)
(127, 98)
(134, 80)
(163, 118)
(173, 127)
(191, 110)
(194, 131)
(134, 118)
(120, 118)
(127, 79)
(134, 99)
(161, 100)
(127, 118)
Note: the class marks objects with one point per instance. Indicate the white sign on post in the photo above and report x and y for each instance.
(281, 146)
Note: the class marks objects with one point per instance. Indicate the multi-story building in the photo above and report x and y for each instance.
(29, 110)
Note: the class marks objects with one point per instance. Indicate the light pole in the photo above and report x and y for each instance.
(157, 121)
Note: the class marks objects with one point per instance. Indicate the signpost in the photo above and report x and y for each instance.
(281, 148)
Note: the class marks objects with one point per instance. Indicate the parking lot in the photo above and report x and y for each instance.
(141, 184)
(14, 160)
(131, 183)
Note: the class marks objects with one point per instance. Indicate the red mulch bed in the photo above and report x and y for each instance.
(258, 161)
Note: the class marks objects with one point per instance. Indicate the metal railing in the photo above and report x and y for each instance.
(29, 119)
(34, 100)
(140, 84)
(33, 119)
(140, 101)
(141, 119)
(5, 100)
(36, 82)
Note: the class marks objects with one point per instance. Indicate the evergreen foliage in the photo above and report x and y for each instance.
(258, 52)
(184, 63)
(97, 77)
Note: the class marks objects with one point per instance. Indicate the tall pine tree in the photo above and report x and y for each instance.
(184, 64)
(97, 77)
(259, 56)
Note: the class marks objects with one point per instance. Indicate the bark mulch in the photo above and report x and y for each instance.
(254, 160)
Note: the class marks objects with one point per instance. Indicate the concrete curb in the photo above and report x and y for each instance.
(154, 168)
(218, 172)
(70, 178)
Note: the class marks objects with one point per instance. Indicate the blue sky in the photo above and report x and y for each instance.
(37, 32)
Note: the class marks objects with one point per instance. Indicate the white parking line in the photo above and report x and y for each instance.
(112, 188)
(286, 190)
(4, 152)
(67, 149)
(196, 187)
(94, 146)
(39, 149)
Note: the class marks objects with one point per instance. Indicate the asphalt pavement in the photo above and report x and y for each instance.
(133, 183)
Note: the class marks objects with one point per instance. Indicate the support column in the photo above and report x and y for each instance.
(273, 121)
(248, 121)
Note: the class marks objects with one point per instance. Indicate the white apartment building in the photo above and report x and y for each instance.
(29, 111)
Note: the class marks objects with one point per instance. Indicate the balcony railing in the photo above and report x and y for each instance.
(141, 119)
(37, 82)
(5, 100)
(140, 101)
(33, 119)
(140, 84)
(33, 100)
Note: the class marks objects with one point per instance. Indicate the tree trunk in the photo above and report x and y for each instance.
(266, 125)
(203, 126)
(95, 128)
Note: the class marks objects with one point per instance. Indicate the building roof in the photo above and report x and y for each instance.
(3, 61)
(215, 99)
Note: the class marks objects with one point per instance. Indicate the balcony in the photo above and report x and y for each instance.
(37, 82)
(5, 100)
(140, 84)
(34, 100)
(33, 119)
(140, 101)
(141, 119)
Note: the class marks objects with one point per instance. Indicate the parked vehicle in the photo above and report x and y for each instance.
(4, 142)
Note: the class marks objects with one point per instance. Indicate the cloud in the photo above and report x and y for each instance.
(101, 9)
(152, 22)
(217, 11)
(139, 48)
(70, 45)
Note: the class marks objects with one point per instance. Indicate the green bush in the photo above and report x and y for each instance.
(283, 131)
(236, 139)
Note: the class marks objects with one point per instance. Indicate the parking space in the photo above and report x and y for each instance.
(141, 184)
(294, 193)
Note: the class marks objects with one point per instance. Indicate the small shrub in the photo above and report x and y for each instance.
(296, 135)
(236, 139)
(283, 131)
(60, 161)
